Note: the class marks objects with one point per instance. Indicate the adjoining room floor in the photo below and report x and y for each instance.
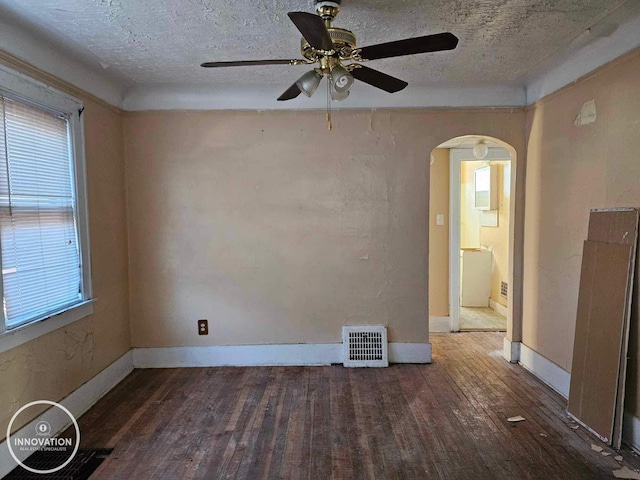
(444, 420)
(483, 319)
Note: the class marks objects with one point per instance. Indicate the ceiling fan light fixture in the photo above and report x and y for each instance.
(308, 83)
(480, 150)
(341, 79)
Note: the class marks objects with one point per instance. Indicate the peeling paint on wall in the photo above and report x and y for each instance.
(587, 114)
(79, 343)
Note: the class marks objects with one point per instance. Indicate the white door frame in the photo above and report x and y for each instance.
(456, 157)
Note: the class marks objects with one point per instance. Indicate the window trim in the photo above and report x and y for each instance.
(23, 88)
(29, 331)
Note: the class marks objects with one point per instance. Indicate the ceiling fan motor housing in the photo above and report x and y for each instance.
(343, 40)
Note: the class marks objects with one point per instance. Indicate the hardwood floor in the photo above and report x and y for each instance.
(445, 420)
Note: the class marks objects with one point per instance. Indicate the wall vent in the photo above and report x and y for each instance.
(504, 289)
(365, 346)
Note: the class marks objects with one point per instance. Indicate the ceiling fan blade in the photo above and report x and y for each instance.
(312, 28)
(410, 46)
(292, 92)
(243, 63)
(378, 79)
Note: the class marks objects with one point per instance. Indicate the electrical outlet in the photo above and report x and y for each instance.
(203, 327)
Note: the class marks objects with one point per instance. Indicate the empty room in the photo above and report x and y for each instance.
(319, 239)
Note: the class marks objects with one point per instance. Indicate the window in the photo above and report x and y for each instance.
(486, 194)
(43, 226)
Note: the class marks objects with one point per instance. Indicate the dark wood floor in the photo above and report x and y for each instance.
(444, 420)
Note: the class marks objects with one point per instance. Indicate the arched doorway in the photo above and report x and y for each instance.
(473, 250)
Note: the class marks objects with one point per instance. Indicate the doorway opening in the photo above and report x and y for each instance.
(483, 221)
(480, 234)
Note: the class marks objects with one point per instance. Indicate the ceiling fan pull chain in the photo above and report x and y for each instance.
(329, 102)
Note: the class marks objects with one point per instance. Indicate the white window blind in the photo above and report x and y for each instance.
(41, 262)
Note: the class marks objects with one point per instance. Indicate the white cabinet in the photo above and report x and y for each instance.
(475, 277)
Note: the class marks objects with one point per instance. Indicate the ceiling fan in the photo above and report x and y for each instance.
(329, 47)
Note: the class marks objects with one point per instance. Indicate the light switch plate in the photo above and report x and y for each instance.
(440, 219)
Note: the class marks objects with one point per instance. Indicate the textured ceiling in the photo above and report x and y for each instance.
(163, 41)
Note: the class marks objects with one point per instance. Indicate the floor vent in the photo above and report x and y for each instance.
(504, 289)
(84, 463)
(365, 346)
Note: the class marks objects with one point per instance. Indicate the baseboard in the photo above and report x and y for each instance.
(439, 324)
(410, 353)
(511, 350)
(266, 355)
(238, 355)
(631, 431)
(547, 371)
(77, 402)
(498, 307)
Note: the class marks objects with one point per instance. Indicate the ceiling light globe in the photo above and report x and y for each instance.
(338, 96)
(480, 150)
(341, 79)
(308, 83)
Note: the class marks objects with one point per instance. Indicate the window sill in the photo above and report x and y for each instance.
(30, 331)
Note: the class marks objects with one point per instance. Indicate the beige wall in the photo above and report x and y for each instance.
(571, 170)
(278, 231)
(497, 238)
(469, 216)
(52, 366)
(439, 234)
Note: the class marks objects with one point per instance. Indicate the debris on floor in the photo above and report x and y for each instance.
(575, 427)
(515, 419)
(544, 435)
(618, 458)
(626, 472)
(605, 454)
(596, 448)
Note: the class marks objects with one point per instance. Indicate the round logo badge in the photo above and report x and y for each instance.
(41, 440)
(43, 428)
